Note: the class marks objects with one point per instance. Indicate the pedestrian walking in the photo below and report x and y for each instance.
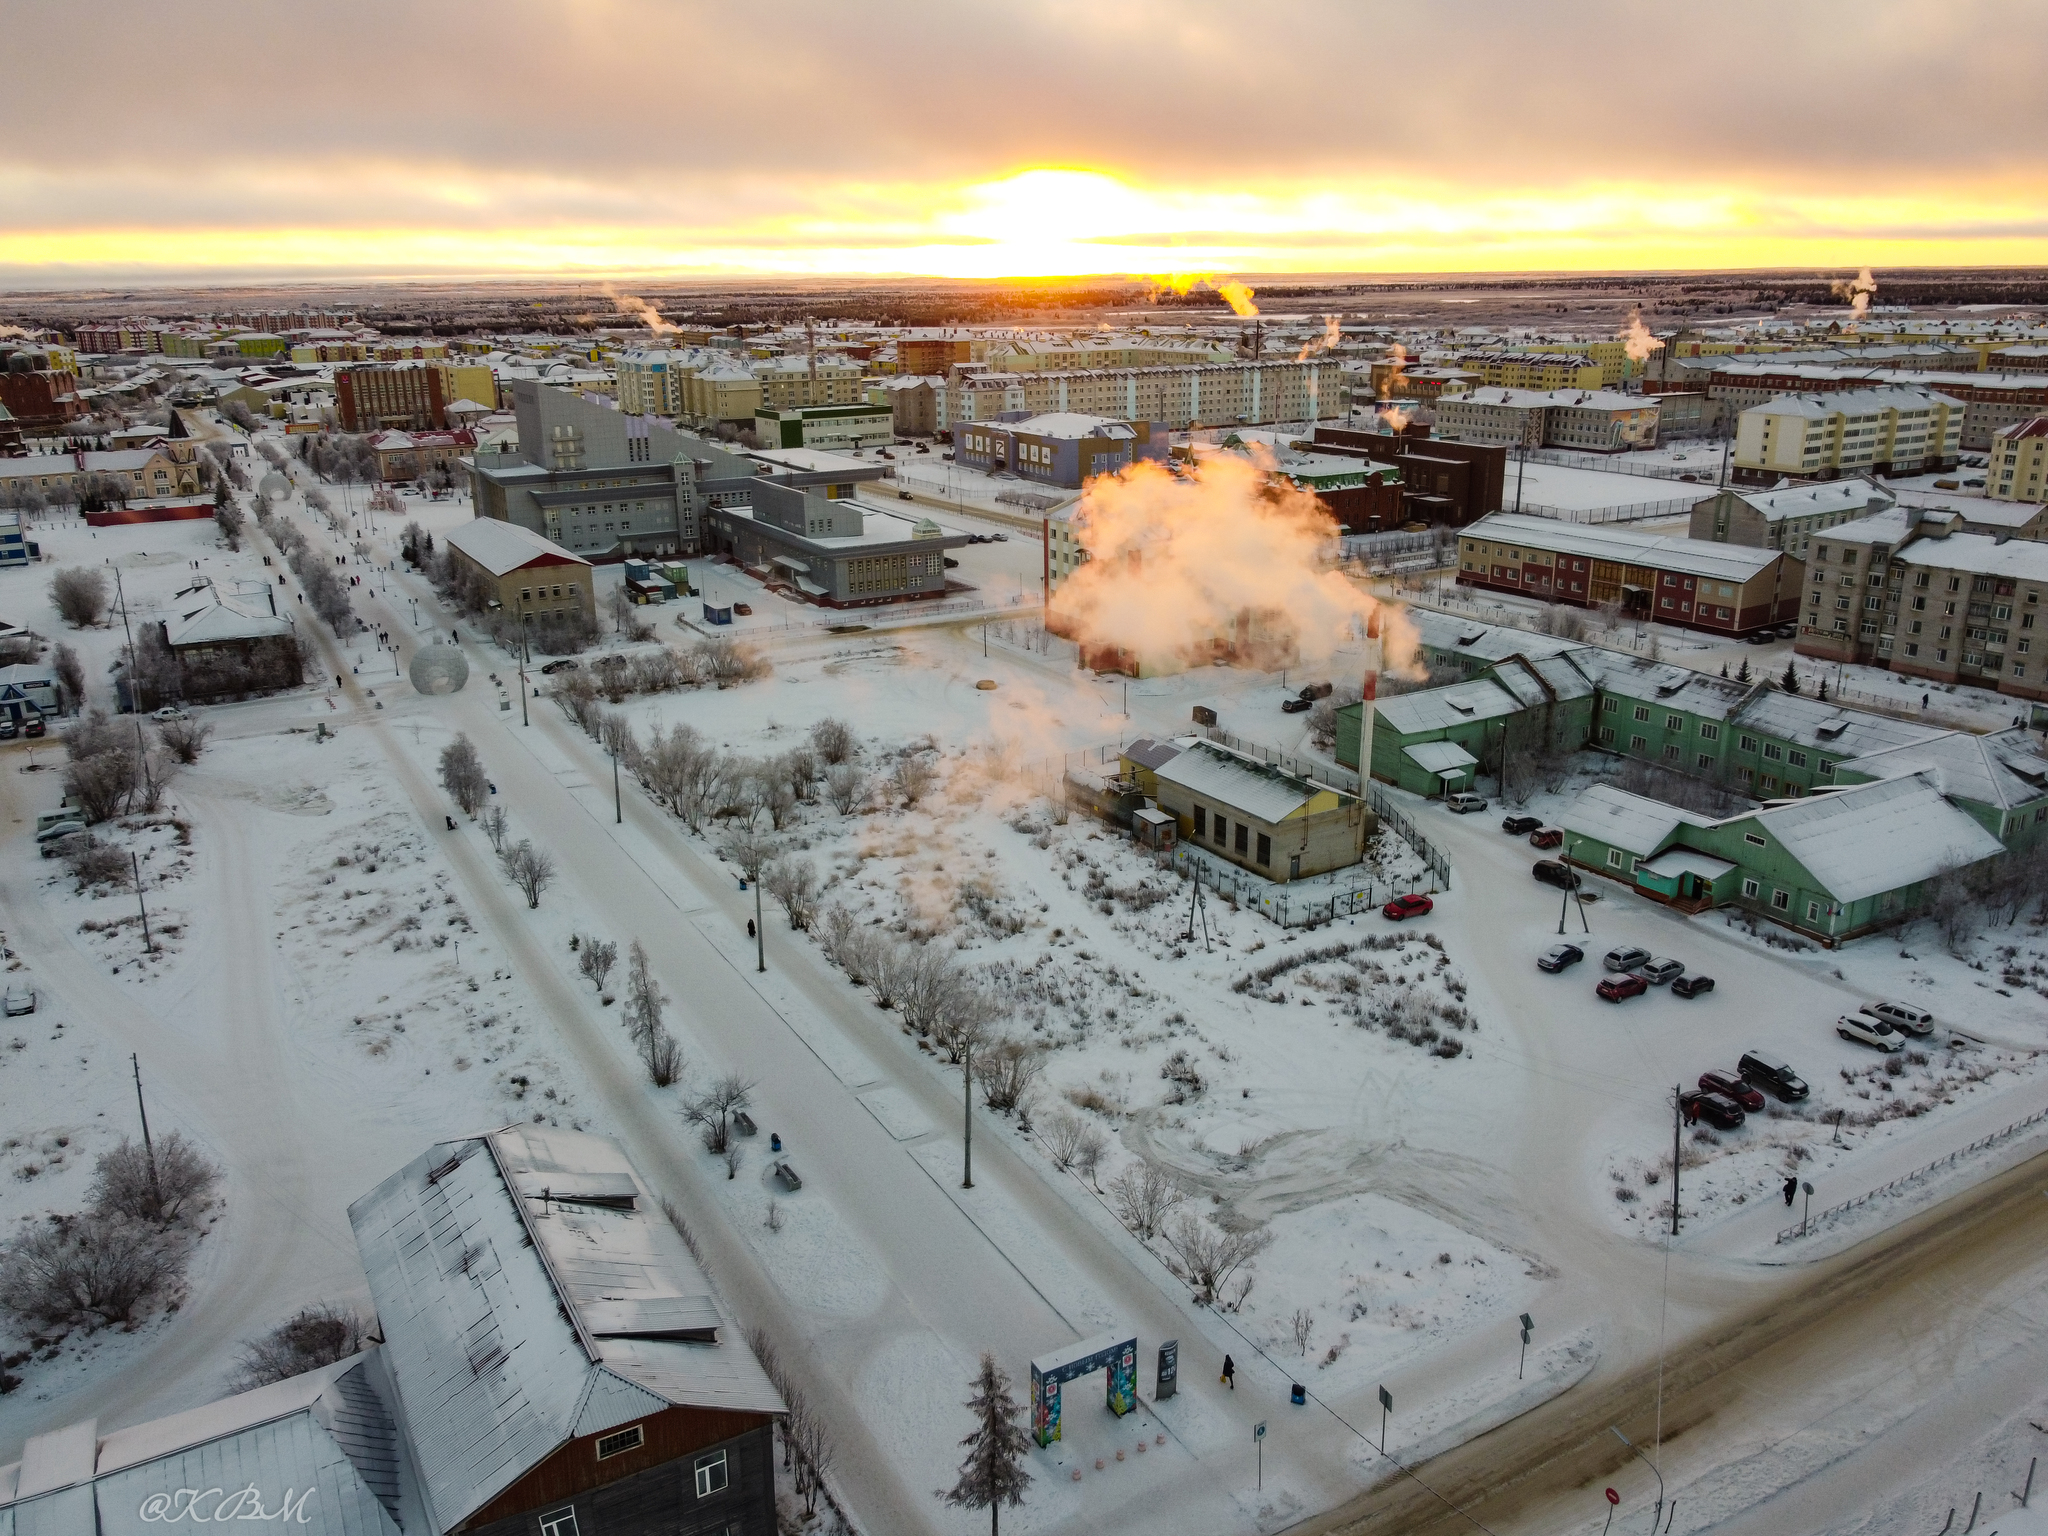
(750, 927)
(1791, 1188)
(1229, 1376)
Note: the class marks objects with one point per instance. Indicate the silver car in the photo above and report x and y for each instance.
(1901, 1016)
(1661, 970)
(1865, 1030)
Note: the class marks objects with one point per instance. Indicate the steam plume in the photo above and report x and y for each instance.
(1394, 416)
(12, 330)
(1640, 343)
(1856, 290)
(1180, 571)
(629, 305)
(1234, 293)
(1327, 342)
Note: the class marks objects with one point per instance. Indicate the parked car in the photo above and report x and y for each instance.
(1517, 825)
(1546, 837)
(1771, 1074)
(1717, 1107)
(1762, 637)
(1550, 872)
(1314, 691)
(1464, 800)
(33, 727)
(745, 610)
(1661, 970)
(50, 841)
(905, 496)
(1787, 631)
(8, 729)
(1412, 905)
(1865, 1030)
(566, 664)
(1627, 984)
(1692, 986)
(1902, 1016)
(1560, 957)
(1295, 706)
(1627, 958)
(1732, 1085)
(169, 712)
(19, 1000)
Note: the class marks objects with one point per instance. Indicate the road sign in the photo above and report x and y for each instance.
(1527, 1322)
(1259, 1430)
(1613, 1497)
(1386, 1400)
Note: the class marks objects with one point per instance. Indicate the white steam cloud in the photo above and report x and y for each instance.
(627, 304)
(1856, 290)
(1220, 564)
(1639, 342)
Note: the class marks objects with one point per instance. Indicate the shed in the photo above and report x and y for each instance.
(1269, 821)
(1451, 764)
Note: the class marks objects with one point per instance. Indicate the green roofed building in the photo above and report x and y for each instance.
(834, 427)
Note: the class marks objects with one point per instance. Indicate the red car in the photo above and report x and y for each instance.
(1623, 984)
(1546, 837)
(1406, 906)
(1730, 1085)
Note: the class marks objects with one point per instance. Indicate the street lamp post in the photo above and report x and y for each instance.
(1624, 1439)
(760, 929)
(524, 650)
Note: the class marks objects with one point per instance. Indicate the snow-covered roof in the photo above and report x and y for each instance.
(1696, 557)
(1687, 861)
(1439, 757)
(1877, 837)
(1147, 753)
(1817, 500)
(1069, 424)
(2006, 769)
(496, 1263)
(1238, 783)
(1981, 554)
(217, 622)
(1435, 709)
(501, 547)
(1631, 822)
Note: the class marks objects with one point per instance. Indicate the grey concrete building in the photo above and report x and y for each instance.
(832, 549)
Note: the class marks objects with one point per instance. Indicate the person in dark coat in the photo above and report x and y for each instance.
(1791, 1189)
(1229, 1377)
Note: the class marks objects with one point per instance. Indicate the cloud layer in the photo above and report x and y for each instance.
(651, 135)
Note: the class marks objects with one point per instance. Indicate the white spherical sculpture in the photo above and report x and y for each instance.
(274, 487)
(439, 669)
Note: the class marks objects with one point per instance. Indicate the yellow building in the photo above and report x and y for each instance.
(1046, 356)
(1616, 366)
(653, 381)
(2019, 462)
(1895, 430)
(798, 381)
(722, 391)
(1510, 368)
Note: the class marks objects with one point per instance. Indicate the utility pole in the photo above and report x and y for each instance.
(618, 802)
(967, 1110)
(1637, 1451)
(1677, 1127)
(148, 1147)
(524, 649)
(760, 929)
(148, 944)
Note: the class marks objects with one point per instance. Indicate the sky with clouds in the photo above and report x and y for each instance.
(255, 138)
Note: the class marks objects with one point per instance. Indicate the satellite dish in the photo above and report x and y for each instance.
(439, 669)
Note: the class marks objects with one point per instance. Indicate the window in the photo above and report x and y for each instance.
(1747, 743)
(1222, 829)
(621, 1441)
(1610, 705)
(1607, 733)
(1781, 900)
(1614, 858)
(1201, 822)
(1674, 722)
(1773, 751)
(561, 1522)
(1242, 837)
(1642, 712)
(1813, 911)
(1754, 840)
(1705, 760)
(1636, 743)
(1265, 853)
(1750, 888)
(710, 1474)
(1709, 731)
(1796, 759)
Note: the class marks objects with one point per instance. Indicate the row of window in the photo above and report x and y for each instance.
(1217, 828)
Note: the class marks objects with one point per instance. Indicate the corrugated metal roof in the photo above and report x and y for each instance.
(1147, 753)
(1436, 709)
(1238, 784)
(1877, 837)
(1439, 756)
(1698, 557)
(501, 547)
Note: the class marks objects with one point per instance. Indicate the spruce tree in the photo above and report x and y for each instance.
(993, 1473)
(1743, 675)
(1791, 678)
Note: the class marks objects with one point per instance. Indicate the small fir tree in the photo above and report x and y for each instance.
(993, 1473)
(1790, 681)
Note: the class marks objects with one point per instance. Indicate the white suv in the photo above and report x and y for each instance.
(1464, 800)
(1914, 1021)
(1865, 1030)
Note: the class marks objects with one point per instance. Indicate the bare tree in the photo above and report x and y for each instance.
(1207, 1256)
(70, 675)
(1006, 1070)
(462, 775)
(528, 868)
(912, 777)
(1143, 1196)
(185, 739)
(1063, 1137)
(94, 1267)
(128, 1182)
(1303, 1324)
(662, 1056)
(80, 595)
(98, 784)
(747, 848)
(1088, 1155)
(644, 997)
(833, 741)
(497, 827)
(311, 1337)
(595, 958)
(712, 1110)
(793, 883)
(846, 787)
(994, 1473)
(799, 770)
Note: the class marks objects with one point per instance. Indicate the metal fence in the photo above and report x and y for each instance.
(1289, 906)
(1805, 1228)
(1391, 815)
(1633, 512)
(1617, 464)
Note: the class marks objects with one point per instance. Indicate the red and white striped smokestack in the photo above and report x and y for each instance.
(1372, 656)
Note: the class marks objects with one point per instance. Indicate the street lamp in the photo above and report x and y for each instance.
(1624, 1439)
(524, 649)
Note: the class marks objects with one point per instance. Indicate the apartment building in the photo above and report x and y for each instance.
(652, 379)
(1911, 591)
(1102, 352)
(929, 355)
(1204, 394)
(722, 391)
(409, 397)
(1891, 430)
(1989, 400)
(1590, 421)
(1512, 368)
(1616, 366)
(1722, 588)
(2019, 462)
(1061, 448)
(804, 381)
(1785, 519)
